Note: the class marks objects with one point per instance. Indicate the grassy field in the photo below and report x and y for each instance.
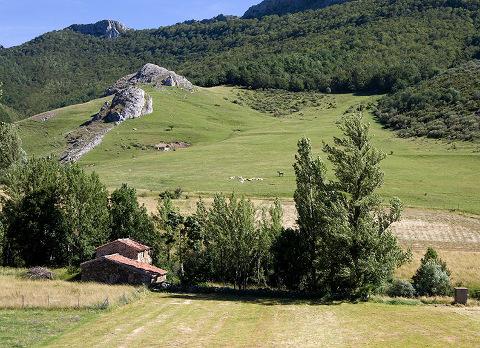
(213, 321)
(35, 327)
(18, 292)
(230, 139)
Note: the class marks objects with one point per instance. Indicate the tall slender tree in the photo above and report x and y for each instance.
(11, 151)
(349, 247)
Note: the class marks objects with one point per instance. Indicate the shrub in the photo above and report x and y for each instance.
(431, 280)
(176, 194)
(401, 288)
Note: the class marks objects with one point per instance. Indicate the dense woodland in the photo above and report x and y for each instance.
(364, 46)
(283, 7)
(446, 106)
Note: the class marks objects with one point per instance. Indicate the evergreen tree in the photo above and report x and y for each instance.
(432, 277)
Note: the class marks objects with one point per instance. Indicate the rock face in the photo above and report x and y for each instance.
(151, 74)
(107, 29)
(283, 7)
(131, 102)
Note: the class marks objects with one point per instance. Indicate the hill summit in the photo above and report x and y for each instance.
(151, 74)
(107, 28)
(283, 7)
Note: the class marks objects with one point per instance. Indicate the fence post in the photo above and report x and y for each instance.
(23, 301)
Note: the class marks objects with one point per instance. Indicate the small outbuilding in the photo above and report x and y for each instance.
(123, 261)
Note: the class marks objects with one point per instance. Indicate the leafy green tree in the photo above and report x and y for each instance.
(236, 245)
(169, 222)
(432, 277)
(290, 260)
(130, 220)
(52, 215)
(349, 249)
(10, 146)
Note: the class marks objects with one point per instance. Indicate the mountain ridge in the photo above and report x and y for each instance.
(106, 28)
(283, 7)
(360, 46)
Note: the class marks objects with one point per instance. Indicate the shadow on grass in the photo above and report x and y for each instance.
(273, 299)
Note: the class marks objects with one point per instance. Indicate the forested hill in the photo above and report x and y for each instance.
(445, 106)
(283, 7)
(369, 45)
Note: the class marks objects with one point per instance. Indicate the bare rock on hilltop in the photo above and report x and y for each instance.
(107, 28)
(128, 103)
(151, 74)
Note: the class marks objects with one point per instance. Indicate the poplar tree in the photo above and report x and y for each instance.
(10, 146)
(348, 246)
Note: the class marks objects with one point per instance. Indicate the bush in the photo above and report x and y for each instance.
(401, 288)
(176, 194)
(432, 280)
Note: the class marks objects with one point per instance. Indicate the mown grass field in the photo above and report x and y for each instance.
(214, 321)
(230, 139)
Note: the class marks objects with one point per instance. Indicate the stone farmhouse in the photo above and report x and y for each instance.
(123, 261)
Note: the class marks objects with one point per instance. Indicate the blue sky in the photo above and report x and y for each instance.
(23, 20)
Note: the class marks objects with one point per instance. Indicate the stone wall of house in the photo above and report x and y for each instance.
(118, 247)
(108, 272)
(145, 257)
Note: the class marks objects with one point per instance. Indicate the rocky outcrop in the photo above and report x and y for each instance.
(107, 29)
(83, 140)
(283, 7)
(128, 103)
(154, 75)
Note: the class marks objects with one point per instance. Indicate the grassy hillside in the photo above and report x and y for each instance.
(368, 45)
(231, 139)
(446, 106)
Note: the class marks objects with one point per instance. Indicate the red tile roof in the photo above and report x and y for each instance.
(119, 259)
(130, 243)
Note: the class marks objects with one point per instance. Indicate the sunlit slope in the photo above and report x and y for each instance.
(230, 140)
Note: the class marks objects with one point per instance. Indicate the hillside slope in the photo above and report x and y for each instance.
(446, 106)
(283, 7)
(230, 140)
(369, 45)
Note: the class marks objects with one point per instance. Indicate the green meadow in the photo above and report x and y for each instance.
(230, 139)
(218, 321)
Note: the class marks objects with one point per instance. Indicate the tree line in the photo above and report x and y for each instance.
(445, 106)
(371, 45)
(55, 215)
